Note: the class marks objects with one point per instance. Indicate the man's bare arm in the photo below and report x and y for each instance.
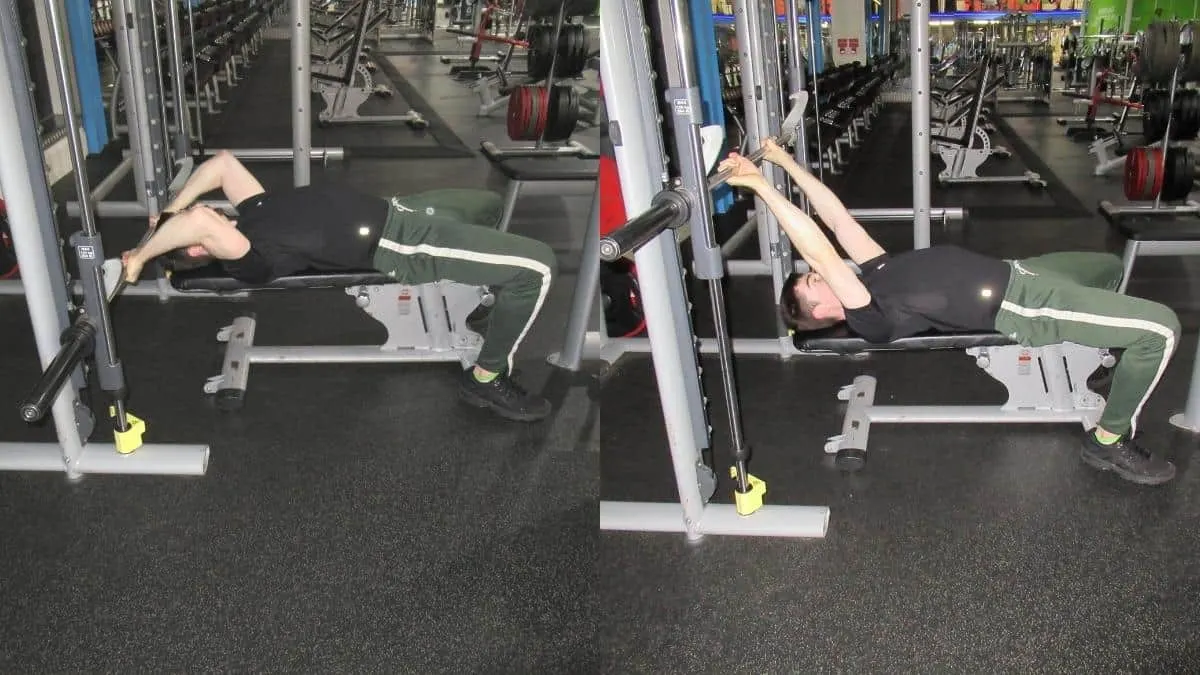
(197, 226)
(815, 248)
(223, 171)
(850, 234)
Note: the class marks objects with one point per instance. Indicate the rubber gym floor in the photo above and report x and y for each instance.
(958, 548)
(355, 518)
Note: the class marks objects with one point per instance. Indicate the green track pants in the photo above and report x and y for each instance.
(432, 237)
(1071, 297)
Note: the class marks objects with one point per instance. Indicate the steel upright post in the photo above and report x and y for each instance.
(301, 92)
(919, 65)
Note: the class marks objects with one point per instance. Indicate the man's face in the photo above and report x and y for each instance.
(812, 291)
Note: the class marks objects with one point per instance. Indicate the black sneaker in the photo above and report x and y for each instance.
(1128, 460)
(504, 396)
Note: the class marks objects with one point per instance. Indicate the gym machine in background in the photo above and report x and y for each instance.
(67, 336)
(409, 20)
(548, 111)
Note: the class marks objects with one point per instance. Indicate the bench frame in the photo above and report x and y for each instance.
(1044, 384)
(425, 324)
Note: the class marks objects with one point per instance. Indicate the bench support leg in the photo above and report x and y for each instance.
(1044, 385)
(510, 204)
(424, 324)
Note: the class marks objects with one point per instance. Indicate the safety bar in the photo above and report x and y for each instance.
(946, 214)
(77, 342)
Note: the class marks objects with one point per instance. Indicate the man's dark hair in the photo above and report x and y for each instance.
(179, 260)
(797, 315)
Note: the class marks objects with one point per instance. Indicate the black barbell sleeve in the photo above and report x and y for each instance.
(668, 211)
(77, 343)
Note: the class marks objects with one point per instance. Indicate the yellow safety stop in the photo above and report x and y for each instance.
(131, 439)
(747, 503)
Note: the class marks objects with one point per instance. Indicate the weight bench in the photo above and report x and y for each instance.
(522, 170)
(425, 323)
(1044, 384)
(964, 153)
(1152, 236)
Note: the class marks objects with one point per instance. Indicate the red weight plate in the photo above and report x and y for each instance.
(544, 118)
(518, 107)
(535, 113)
(1135, 173)
(1157, 155)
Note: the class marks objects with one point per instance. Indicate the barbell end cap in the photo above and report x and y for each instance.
(609, 251)
(31, 413)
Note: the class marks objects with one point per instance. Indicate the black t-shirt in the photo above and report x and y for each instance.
(943, 288)
(316, 227)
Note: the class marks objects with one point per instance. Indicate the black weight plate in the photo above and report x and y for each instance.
(558, 116)
(568, 113)
(571, 118)
(1178, 180)
(537, 55)
(558, 103)
(576, 53)
(585, 48)
(1183, 173)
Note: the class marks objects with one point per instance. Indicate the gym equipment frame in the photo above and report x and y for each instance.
(625, 57)
(425, 323)
(63, 344)
(1044, 384)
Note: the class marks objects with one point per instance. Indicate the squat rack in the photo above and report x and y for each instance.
(665, 203)
(66, 335)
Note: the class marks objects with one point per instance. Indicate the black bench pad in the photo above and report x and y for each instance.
(213, 278)
(1157, 228)
(840, 340)
(534, 169)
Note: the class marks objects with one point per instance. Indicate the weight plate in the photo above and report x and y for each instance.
(1135, 173)
(1157, 174)
(571, 115)
(537, 63)
(543, 112)
(564, 124)
(555, 110)
(535, 113)
(1178, 180)
(516, 113)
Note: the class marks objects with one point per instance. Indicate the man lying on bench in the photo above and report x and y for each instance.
(1060, 297)
(420, 239)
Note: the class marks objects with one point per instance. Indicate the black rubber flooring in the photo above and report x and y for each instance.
(354, 519)
(959, 548)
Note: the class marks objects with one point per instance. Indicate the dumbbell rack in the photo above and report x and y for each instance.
(1114, 211)
(541, 147)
